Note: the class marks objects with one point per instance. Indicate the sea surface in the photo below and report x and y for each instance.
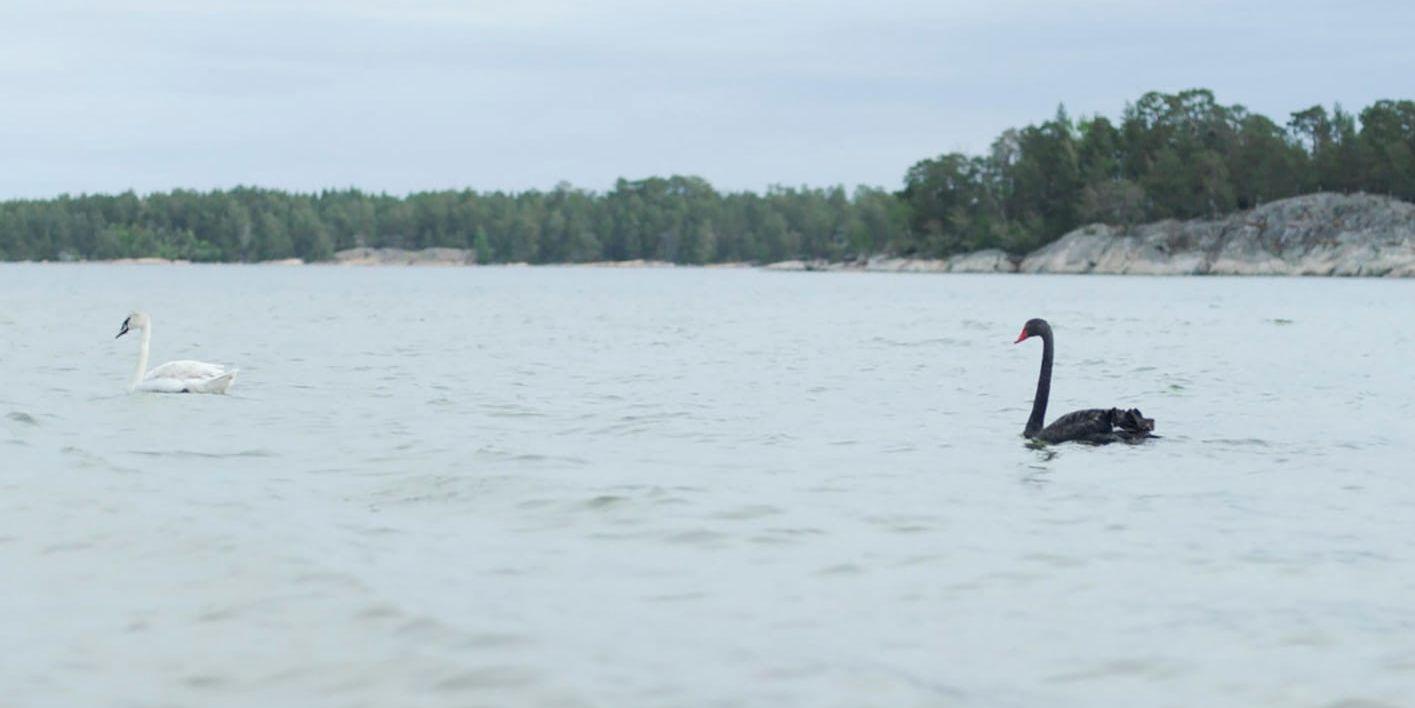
(702, 487)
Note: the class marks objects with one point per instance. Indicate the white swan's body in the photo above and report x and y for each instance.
(184, 376)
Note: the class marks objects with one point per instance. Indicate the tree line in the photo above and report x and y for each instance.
(1180, 155)
(1176, 156)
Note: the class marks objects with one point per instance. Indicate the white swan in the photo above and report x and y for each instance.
(174, 376)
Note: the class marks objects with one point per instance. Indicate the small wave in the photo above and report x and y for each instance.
(676, 597)
(1109, 671)
(653, 417)
(1251, 442)
(511, 411)
(754, 511)
(775, 438)
(1054, 560)
(796, 532)
(501, 455)
(21, 417)
(605, 501)
(697, 537)
(534, 457)
(485, 678)
(204, 455)
(935, 341)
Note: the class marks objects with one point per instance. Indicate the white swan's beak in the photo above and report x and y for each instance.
(122, 331)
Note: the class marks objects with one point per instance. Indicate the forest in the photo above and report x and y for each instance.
(1181, 155)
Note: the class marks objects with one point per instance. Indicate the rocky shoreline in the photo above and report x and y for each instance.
(1315, 234)
(398, 256)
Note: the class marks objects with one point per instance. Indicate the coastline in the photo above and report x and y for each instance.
(1322, 234)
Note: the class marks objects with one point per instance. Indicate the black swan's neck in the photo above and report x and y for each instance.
(1039, 403)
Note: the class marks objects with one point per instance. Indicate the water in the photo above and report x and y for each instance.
(702, 487)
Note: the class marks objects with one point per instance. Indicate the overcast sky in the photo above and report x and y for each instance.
(109, 95)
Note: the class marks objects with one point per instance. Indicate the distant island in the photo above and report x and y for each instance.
(1318, 234)
(1178, 184)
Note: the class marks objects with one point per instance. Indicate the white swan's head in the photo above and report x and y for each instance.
(136, 320)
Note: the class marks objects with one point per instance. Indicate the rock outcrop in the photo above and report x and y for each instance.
(1315, 234)
(149, 260)
(988, 261)
(398, 256)
(635, 263)
(991, 260)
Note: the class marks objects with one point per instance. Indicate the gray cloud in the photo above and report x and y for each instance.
(106, 96)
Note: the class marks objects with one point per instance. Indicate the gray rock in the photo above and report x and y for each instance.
(990, 260)
(1315, 234)
(906, 265)
(398, 256)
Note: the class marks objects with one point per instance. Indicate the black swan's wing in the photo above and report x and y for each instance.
(1099, 426)
(1090, 425)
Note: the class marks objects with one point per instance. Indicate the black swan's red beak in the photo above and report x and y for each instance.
(1021, 336)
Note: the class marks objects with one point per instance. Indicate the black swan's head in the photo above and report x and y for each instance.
(1132, 420)
(1033, 328)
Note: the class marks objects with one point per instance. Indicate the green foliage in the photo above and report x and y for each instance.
(137, 242)
(482, 245)
(1178, 155)
(1181, 155)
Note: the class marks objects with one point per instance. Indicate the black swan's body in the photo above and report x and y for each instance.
(1097, 426)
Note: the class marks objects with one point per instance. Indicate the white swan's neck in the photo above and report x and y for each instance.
(142, 357)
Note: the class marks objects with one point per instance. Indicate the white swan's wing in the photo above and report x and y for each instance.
(187, 376)
(162, 386)
(214, 384)
(186, 370)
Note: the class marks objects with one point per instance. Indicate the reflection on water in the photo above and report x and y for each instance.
(585, 487)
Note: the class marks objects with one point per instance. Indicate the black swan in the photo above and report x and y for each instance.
(1097, 426)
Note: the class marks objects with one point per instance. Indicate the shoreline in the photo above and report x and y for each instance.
(878, 266)
(1322, 234)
